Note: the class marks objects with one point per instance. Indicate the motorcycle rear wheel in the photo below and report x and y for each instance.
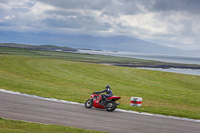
(111, 106)
(89, 103)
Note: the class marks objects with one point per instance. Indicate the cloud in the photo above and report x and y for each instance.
(190, 6)
(78, 4)
(164, 22)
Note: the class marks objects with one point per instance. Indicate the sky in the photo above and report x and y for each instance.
(173, 23)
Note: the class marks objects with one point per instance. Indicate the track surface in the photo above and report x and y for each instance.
(32, 109)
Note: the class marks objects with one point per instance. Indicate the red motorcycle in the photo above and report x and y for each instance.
(97, 102)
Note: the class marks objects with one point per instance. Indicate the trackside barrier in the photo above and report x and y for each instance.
(136, 101)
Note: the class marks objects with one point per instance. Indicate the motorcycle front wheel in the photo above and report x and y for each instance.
(111, 106)
(89, 103)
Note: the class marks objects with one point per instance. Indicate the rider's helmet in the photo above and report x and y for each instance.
(108, 87)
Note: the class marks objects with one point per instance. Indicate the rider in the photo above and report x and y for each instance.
(108, 92)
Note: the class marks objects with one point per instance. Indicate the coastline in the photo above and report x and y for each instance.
(165, 68)
(152, 62)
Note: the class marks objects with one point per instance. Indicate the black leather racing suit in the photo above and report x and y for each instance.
(108, 93)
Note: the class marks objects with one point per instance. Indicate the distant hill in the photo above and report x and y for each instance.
(39, 47)
(112, 43)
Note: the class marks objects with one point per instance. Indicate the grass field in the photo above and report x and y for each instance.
(65, 76)
(13, 126)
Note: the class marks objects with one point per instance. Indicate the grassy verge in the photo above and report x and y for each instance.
(100, 59)
(13, 126)
(50, 74)
(69, 56)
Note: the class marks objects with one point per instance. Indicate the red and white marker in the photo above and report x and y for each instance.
(136, 101)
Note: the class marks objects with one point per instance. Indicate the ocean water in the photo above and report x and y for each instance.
(163, 58)
(176, 70)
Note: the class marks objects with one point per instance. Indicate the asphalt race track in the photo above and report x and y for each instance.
(33, 109)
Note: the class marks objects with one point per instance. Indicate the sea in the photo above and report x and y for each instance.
(156, 57)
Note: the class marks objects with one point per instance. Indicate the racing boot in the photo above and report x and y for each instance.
(105, 101)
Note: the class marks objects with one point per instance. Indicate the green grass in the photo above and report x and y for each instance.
(80, 57)
(13, 126)
(64, 76)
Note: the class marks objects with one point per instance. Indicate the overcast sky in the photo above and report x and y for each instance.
(174, 23)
